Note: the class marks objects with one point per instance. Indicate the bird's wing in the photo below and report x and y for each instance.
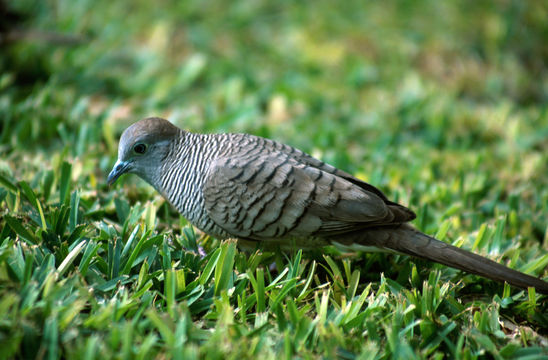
(402, 213)
(272, 195)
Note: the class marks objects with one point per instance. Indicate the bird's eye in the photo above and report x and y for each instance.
(140, 148)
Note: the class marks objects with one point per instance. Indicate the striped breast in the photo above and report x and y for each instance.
(182, 175)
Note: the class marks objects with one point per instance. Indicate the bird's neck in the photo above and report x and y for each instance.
(183, 172)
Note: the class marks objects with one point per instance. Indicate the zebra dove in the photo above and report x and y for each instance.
(261, 191)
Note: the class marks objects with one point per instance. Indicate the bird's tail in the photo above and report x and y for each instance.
(408, 240)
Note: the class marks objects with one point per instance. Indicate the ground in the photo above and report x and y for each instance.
(442, 105)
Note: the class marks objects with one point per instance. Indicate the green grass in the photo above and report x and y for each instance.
(442, 105)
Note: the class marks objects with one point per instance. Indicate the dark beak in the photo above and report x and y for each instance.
(119, 168)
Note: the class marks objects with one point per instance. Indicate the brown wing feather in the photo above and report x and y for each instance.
(401, 213)
(272, 195)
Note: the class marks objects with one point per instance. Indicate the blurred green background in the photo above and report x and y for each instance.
(397, 92)
(441, 104)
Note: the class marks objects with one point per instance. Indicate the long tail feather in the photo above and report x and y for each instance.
(408, 240)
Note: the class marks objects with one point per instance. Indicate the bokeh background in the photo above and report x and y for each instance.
(394, 92)
(441, 104)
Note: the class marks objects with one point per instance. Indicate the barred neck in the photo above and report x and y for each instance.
(184, 170)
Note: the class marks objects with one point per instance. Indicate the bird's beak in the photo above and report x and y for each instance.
(119, 168)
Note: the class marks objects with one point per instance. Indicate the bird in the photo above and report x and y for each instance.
(265, 193)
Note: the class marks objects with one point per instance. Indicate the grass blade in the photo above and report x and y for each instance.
(64, 182)
(70, 258)
(224, 267)
(20, 230)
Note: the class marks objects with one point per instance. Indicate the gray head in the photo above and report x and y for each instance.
(142, 147)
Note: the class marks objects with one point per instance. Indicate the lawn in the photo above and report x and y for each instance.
(442, 105)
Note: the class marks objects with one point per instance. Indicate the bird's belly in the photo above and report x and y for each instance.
(284, 244)
(248, 244)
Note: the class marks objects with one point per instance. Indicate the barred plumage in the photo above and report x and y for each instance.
(263, 192)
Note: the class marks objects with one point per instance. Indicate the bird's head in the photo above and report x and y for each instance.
(142, 148)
